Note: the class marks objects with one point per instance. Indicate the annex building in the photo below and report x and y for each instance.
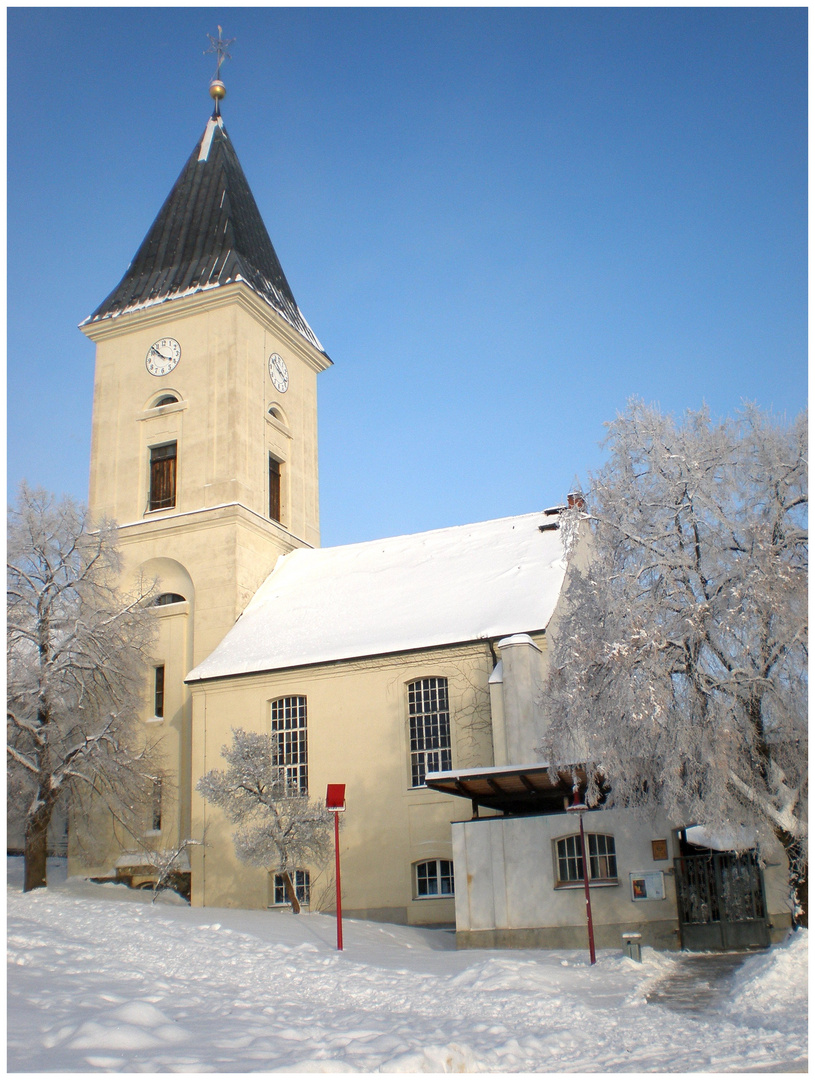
(407, 668)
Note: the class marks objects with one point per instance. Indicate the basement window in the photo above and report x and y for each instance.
(301, 881)
(433, 878)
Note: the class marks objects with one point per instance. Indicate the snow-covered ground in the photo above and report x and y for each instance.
(100, 980)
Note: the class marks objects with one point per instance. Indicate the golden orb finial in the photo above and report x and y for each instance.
(217, 90)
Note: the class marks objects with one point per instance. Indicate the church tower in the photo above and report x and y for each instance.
(204, 442)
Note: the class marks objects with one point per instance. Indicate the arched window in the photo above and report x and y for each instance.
(600, 851)
(301, 881)
(290, 741)
(166, 399)
(168, 598)
(429, 715)
(433, 878)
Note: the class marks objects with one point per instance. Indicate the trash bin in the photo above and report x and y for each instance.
(632, 946)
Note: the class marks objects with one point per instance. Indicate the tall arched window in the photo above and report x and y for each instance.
(429, 715)
(290, 741)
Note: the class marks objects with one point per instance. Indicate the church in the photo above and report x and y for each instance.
(406, 669)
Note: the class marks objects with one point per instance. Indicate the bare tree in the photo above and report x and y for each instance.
(170, 866)
(679, 666)
(278, 826)
(77, 649)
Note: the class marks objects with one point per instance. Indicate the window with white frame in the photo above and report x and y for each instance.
(601, 853)
(290, 742)
(301, 881)
(434, 878)
(429, 714)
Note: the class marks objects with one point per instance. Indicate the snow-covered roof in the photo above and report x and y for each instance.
(467, 583)
(724, 838)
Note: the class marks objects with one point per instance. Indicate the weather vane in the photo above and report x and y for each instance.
(219, 46)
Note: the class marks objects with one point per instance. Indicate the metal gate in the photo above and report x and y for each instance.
(720, 899)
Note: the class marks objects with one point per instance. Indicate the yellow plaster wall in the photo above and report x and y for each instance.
(220, 422)
(217, 545)
(357, 735)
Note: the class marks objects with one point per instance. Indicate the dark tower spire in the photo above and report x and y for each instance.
(208, 233)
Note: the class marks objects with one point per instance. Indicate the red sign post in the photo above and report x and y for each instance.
(580, 809)
(335, 803)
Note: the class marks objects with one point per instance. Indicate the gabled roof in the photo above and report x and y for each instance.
(208, 233)
(449, 586)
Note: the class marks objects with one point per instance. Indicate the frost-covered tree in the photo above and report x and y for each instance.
(278, 826)
(77, 649)
(679, 665)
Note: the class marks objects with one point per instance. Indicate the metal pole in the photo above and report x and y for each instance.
(588, 895)
(339, 888)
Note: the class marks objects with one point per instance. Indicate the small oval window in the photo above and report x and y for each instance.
(168, 399)
(168, 598)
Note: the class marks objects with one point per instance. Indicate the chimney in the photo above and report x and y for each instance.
(576, 501)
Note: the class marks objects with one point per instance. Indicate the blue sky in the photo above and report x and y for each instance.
(501, 223)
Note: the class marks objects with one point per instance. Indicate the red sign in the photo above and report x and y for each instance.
(335, 797)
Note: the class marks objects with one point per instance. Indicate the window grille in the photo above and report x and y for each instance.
(434, 878)
(290, 742)
(601, 853)
(429, 728)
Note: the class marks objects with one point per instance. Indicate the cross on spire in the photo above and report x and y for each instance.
(217, 90)
(220, 46)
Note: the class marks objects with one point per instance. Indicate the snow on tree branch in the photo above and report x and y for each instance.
(278, 826)
(77, 650)
(679, 661)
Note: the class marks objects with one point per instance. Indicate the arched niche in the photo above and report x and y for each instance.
(170, 576)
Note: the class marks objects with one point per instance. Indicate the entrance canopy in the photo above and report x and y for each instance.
(512, 789)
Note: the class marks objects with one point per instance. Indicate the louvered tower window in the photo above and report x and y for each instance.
(163, 461)
(274, 488)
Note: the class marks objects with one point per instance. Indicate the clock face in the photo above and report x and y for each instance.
(162, 356)
(279, 373)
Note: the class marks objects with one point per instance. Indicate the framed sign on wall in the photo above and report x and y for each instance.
(648, 886)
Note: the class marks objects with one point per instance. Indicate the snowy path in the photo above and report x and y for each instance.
(100, 980)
